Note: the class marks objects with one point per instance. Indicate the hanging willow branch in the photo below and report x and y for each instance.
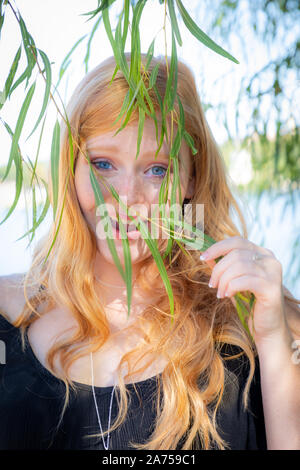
(137, 97)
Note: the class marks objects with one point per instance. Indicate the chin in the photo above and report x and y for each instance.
(139, 251)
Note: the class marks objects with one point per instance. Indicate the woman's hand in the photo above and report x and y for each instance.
(239, 271)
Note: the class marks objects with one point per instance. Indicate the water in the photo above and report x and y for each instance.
(272, 224)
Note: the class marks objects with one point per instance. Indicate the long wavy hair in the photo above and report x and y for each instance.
(203, 323)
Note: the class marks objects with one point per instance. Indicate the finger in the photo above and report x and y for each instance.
(235, 263)
(255, 284)
(224, 246)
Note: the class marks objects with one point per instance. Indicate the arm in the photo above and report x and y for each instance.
(280, 386)
(271, 328)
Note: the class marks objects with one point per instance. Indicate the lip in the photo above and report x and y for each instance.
(125, 221)
(132, 235)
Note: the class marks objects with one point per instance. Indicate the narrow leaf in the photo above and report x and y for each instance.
(55, 148)
(14, 151)
(174, 21)
(200, 35)
(48, 72)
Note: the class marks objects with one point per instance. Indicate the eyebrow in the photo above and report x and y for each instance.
(113, 148)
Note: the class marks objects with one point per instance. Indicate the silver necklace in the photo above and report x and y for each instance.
(106, 447)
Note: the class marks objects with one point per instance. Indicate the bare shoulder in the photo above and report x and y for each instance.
(12, 299)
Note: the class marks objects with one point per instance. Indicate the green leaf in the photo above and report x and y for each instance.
(11, 76)
(200, 35)
(189, 140)
(126, 21)
(55, 148)
(174, 21)
(88, 49)
(128, 264)
(172, 88)
(66, 62)
(153, 76)
(243, 314)
(42, 216)
(38, 151)
(19, 182)
(123, 108)
(47, 89)
(14, 150)
(30, 51)
(150, 53)
(100, 201)
(140, 130)
(104, 5)
(160, 264)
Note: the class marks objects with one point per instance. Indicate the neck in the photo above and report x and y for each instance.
(108, 276)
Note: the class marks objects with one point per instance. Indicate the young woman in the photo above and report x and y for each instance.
(78, 372)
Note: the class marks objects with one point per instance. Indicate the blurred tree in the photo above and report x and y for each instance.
(269, 93)
(267, 104)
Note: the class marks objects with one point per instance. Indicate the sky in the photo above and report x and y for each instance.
(56, 25)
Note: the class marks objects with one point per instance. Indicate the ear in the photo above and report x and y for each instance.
(191, 188)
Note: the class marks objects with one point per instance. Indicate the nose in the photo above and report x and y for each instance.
(130, 194)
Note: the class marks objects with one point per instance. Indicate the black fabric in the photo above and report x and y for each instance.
(31, 401)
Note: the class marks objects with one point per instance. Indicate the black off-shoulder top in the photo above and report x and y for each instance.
(31, 401)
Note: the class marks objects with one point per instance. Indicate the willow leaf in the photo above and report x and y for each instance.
(88, 48)
(104, 4)
(128, 264)
(100, 202)
(123, 108)
(243, 314)
(200, 35)
(171, 87)
(189, 140)
(11, 76)
(126, 21)
(19, 182)
(48, 72)
(149, 54)
(140, 130)
(55, 148)
(14, 150)
(154, 250)
(42, 215)
(160, 264)
(153, 76)
(38, 151)
(33, 213)
(66, 62)
(2, 16)
(174, 21)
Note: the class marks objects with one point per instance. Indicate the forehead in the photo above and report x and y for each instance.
(126, 140)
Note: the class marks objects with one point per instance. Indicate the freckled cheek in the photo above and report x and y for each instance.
(84, 192)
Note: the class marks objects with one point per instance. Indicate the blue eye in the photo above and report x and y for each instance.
(102, 162)
(160, 168)
(103, 165)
